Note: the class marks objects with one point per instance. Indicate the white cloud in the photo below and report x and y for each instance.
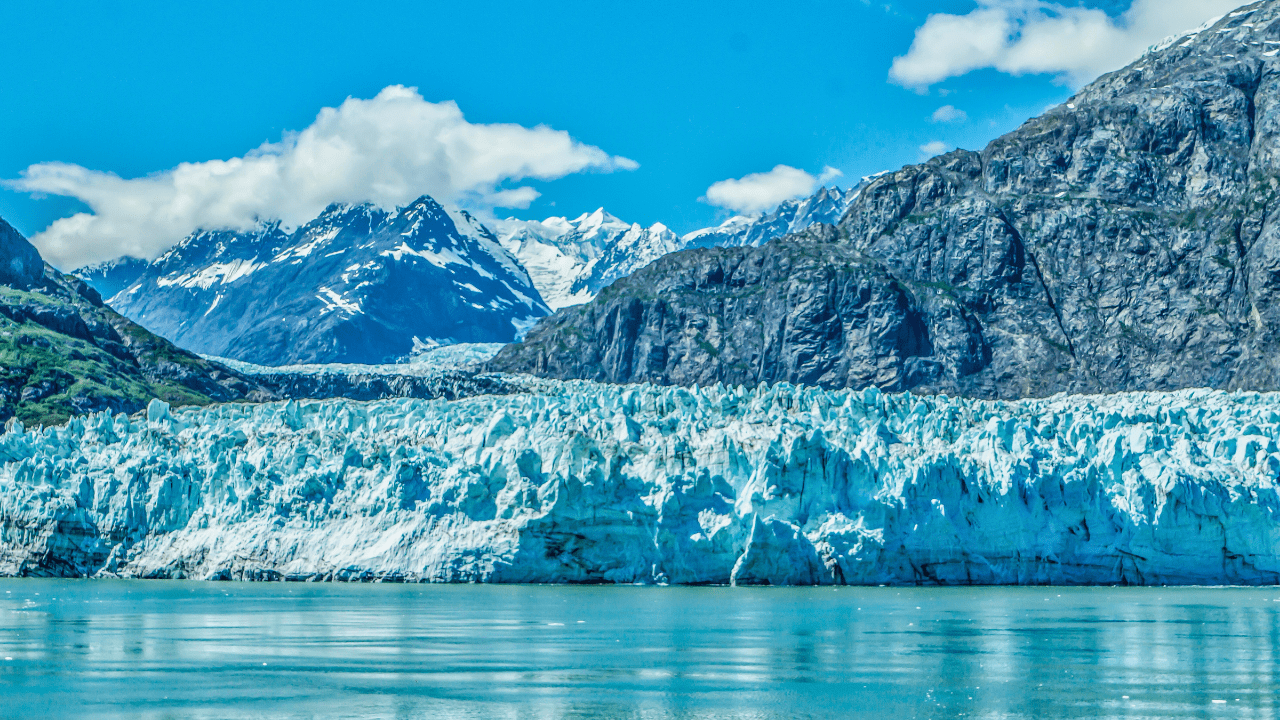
(758, 192)
(931, 149)
(949, 114)
(388, 150)
(1023, 37)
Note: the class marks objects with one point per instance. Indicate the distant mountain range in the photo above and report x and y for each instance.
(572, 260)
(362, 285)
(357, 284)
(826, 206)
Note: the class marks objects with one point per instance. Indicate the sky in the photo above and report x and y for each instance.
(128, 124)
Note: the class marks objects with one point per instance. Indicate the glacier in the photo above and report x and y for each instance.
(445, 371)
(575, 482)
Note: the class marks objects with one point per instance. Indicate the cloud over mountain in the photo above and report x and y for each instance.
(1023, 37)
(758, 192)
(387, 150)
(949, 114)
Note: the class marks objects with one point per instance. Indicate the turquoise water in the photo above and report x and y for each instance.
(168, 649)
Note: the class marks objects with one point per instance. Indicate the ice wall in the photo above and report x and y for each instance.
(596, 483)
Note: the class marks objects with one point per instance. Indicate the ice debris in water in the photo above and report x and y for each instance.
(598, 483)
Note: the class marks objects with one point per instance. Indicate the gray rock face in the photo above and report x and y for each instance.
(20, 262)
(806, 311)
(1126, 240)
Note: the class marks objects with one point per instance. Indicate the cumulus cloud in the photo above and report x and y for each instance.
(931, 149)
(758, 192)
(387, 150)
(949, 114)
(1022, 37)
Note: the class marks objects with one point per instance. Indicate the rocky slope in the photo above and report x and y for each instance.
(808, 310)
(1126, 240)
(355, 285)
(592, 483)
(63, 352)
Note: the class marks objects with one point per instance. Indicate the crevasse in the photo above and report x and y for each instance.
(595, 483)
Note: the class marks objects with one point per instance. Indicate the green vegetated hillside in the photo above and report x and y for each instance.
(63, 352)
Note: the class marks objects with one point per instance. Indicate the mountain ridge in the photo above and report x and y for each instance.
(356, 284)
(1128, 239)
(824, 207)
(571, 261)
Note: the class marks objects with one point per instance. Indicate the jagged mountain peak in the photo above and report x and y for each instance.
(571, 260)
(358, 283)
(826, 206)
(601, 218)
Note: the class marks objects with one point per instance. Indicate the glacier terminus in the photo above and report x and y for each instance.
(577, 482)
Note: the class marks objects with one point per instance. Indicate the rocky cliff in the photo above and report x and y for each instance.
(1128, 239)
(811, 310)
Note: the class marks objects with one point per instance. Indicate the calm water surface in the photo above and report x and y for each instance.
(167, 649)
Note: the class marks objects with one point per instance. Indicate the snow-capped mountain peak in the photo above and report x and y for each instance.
(590, 224)
(356, 284)
(827, 205)
(572, 260)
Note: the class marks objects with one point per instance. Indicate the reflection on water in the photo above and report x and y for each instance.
(182, 649)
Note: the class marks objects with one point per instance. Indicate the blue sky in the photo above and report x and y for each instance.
(693, 93)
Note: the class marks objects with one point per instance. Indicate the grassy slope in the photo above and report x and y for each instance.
(48, 374)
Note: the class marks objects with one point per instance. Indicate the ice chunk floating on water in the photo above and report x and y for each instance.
(597, 483)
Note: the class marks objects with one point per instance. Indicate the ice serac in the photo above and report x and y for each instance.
(356, 285)
(572, 260)
(1128, 239)
(599, 483)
